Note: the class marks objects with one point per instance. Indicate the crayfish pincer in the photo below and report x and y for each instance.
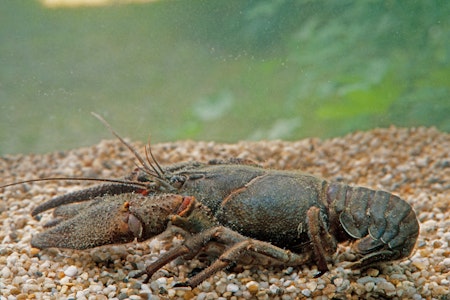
(251, 214)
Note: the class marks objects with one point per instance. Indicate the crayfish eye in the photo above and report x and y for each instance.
(177, 181)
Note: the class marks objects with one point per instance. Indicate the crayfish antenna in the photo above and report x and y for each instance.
(157, 172)
(118, 181)
(149, 154)
(144, 164)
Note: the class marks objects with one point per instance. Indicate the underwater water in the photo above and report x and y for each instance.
(219, 70)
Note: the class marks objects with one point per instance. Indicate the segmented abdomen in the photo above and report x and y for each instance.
(385, 217)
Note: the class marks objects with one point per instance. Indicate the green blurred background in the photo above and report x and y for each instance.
(220, 70)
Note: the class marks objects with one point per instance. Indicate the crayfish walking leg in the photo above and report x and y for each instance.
(323, 243)
(239, 247)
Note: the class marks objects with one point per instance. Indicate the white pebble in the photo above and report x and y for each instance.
(417, 297)
(306, 292)
(6, 272)
(155, 244)
(161, 281)
(291, 289)
(71, 271)
(422, 161)
(289, 270)
(386, 286)
(28, 288)
(12, 259)
(65, 280)
(311, 285)
(211, 295)
(446, 236)
(145, 288)
(18, 280)
(273, 280)
(446, 261)
(81, 295)
(109, 289)
(366, 279)
(286, 297)
(338, 281)
(201, 296)
(428, 226)
(206, 286)
(220, 288)
(287, 283)
(274, 289)
(369, 286)
(95, 288)
(233, 288)
(48, 286)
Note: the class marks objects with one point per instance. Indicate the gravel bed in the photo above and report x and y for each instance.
(413, 163)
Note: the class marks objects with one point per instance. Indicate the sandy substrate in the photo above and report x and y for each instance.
(412, 163)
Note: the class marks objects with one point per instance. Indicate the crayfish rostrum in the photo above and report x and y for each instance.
(257, 215)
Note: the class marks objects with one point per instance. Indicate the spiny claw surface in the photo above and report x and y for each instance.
(111, 220)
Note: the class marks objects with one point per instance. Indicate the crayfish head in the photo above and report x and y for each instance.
(112, 220)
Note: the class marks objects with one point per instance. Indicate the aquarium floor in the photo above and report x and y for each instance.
(413, 163)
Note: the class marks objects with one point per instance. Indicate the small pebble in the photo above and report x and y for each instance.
(5, 273)
(446, 261)
(373, 272)
(233, 288)
(369, 286)
(252, 287)
(274, 289)
(386, 286)
(338, 281)
(291, 289)
(71, 271)
(311, 285)
(306, 292)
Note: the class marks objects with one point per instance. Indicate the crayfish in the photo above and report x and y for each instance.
(256, 215)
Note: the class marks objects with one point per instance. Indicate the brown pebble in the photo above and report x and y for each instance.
(188, 295)
(437, 244)
(34, 251)
(252, 287)
(14, 291)
(373, 272)
(246, 280)
(329, 289)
